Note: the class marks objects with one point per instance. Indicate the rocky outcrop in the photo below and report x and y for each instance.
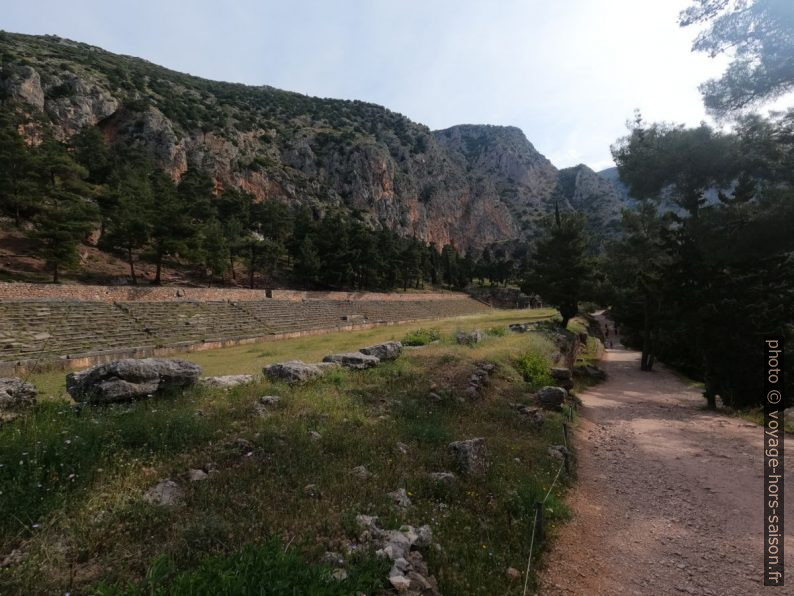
(563, 377)
(166, 493)
(469, 338)
(479, 379)
(581, 189)
(23, 84)
(471, 456)
(294, 371)
(16, 393)
(389, 350)
(409, 572)
(129, 379)
(354, 360)
(589, 371)
(469, 185)
(226, 381)
(552, 398)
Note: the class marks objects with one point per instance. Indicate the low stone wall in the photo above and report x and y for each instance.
(29, 291)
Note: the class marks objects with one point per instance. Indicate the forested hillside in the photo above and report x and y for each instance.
(134, 129)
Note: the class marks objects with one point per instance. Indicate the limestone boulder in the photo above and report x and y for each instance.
(590, 371)
(226, 381)
(471, 456)
(552, 398)
(354, 360)
(388, 350)
(469, 338)
(16, 393)
(129, 379)
(294, 371)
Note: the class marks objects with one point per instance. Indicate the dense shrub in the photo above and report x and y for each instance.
(421, 337)
(534, 368)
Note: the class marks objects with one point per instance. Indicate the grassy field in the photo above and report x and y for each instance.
(250, 358)
(72, 480)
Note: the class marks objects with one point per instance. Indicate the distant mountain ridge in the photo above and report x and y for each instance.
(468, 185)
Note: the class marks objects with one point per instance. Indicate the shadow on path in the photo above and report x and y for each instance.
(669, 498)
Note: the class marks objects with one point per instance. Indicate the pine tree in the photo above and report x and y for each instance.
(18, 188)
(307, 263)
(560, 270)
(66, 213)
(128, 204)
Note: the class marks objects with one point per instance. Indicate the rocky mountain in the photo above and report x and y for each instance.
(468, 185)
(599, 198)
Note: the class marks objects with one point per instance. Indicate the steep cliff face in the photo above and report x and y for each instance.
(582, 189)
(467, 185)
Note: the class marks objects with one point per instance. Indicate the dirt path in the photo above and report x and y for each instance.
(669, 497)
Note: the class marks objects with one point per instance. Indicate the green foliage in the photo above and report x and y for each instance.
(758, 35)
(559, 269)
(261, 569)
(534, 368)
(671, 161)
(421, 337)
(699, 291)
(497, 331)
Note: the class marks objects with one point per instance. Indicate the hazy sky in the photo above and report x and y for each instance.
(567, 72)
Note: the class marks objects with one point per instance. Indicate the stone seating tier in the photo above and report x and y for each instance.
(49, 330)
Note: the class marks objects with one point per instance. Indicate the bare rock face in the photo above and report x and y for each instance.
(355, 360)
(15, 393)
(75, 102)
(471, 456)
(294, 371)
(584, 190)
(388, 350)
(129, 379)
(24, 85)
(470, 185)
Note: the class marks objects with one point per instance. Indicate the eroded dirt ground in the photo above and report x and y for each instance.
(669, 496)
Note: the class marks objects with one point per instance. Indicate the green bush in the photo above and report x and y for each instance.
(421, 337)
(497, 331)
(534, 368)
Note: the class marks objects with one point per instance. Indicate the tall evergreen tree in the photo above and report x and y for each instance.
(560, 270)
(66, 213)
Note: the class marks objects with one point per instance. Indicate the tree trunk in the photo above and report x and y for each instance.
(56, 278)
(132, 266)
(231, 267)
(157, 272)
(646, 360)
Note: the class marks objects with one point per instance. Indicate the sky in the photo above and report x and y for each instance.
(569, 73)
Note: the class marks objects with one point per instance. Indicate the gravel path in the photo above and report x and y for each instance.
(669, 496)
